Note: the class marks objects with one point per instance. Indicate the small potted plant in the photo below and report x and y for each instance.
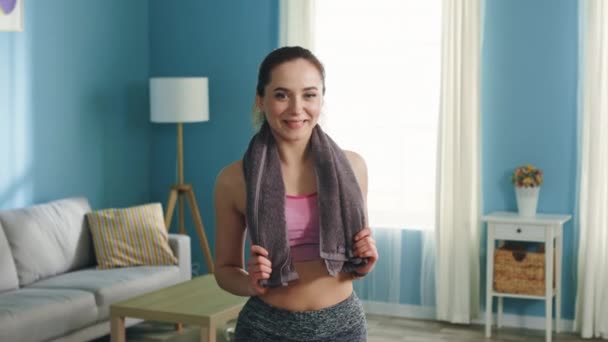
(527, 180)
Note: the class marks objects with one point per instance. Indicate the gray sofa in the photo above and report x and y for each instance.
(50, 288)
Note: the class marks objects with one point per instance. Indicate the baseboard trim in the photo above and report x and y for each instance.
(428, 313)
(399, 310)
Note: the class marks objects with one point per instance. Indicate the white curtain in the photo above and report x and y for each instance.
(591, 317)
(459, 173)
(296, 23)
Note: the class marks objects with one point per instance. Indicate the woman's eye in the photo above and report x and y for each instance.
(280, 96)
(310, 95)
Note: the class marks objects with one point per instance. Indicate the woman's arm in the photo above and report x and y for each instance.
(357, 163)
(230, 239)
(364, 243)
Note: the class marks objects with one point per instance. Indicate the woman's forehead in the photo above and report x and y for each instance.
(296, 74)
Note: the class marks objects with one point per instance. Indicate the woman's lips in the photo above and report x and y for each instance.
(294, 124)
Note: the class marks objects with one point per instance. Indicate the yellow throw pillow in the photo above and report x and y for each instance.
(132, 236)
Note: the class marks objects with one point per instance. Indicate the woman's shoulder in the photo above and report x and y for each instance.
(231, 177)
(356, 160)
(359, 168)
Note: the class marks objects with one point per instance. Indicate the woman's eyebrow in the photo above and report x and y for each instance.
(289, 91)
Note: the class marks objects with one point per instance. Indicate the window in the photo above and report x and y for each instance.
(383, 83)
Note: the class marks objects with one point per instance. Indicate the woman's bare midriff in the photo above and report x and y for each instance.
(314, 290)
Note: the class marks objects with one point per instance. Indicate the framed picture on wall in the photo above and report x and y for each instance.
(11, 15)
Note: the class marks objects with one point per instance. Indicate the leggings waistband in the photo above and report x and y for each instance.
(260, 321)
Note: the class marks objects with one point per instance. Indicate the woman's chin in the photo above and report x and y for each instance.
(295, 134)
(294, 131)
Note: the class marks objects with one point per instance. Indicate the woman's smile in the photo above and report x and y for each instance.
(295, 123)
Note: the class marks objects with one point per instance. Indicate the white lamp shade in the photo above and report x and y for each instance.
(179, 99)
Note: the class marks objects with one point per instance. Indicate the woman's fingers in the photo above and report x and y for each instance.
(265, 268)
(365, 245)
(365, 242)
(259, 268)
(366, 252)
(257, 273)
(362, 234)
(255, 285)
(258, 259)
(361, 250)
(259, 250)
(363, 238)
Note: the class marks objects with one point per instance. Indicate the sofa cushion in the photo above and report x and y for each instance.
(42, 314)
(132, 236)
(113, 285)
(48, 239)
(8, 273)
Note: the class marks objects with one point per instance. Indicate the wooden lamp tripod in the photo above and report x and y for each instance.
(179, 100)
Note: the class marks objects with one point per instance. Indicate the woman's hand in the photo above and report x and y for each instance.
(259, 267)
(365, 247)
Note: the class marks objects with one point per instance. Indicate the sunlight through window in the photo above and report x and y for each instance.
(383, 81)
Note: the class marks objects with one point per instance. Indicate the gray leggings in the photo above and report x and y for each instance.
(343, 322)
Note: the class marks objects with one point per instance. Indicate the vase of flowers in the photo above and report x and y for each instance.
(527, 180)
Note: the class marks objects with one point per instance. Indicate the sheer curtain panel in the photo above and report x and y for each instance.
(459, 172)
(296, 23)
(591, 317)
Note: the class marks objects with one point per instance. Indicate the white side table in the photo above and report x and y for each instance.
(540, 228)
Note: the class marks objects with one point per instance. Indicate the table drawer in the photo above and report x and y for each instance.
(519, 232)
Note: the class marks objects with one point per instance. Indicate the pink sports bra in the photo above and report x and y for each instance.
(302, 219)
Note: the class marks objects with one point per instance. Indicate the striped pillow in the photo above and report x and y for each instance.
(132, 236)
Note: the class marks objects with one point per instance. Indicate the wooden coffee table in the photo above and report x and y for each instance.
(199, 301)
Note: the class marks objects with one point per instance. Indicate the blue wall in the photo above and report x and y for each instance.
(529, 90)
(73, 104)
(225, 41)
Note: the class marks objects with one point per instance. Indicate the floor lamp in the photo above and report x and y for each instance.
(181, 100)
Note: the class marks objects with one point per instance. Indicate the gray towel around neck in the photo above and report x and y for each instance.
(341, 205)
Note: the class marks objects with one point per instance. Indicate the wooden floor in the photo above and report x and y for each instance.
(380, 329)
(384, 329)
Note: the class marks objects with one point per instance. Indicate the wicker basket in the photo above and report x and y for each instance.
(520, 272)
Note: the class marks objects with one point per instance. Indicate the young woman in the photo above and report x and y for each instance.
(313, 298)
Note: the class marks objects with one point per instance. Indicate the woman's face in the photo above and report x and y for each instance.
(292, 100)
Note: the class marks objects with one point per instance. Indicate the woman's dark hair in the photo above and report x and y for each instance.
(280, 56)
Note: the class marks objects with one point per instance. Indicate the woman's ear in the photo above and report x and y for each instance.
(259, 103)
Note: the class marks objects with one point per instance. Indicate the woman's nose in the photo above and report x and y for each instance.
(296, 106)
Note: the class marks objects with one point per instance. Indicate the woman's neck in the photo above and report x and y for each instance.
(294, 153)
